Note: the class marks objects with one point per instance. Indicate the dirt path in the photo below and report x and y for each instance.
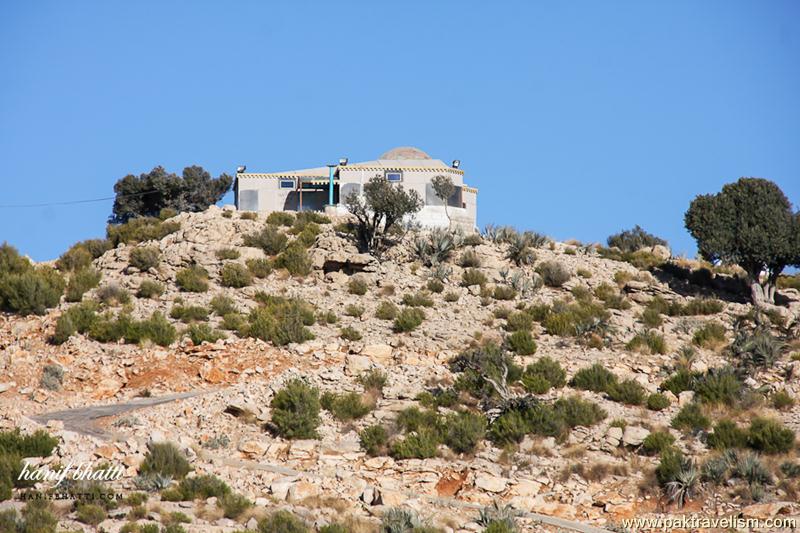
(83, 419)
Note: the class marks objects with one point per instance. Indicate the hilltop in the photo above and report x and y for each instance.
(455, 372)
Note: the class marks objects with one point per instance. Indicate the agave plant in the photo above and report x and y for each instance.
(535, 239)
(715, 470)
(152, 482)
(760, 349)
(437, 246)
(519, 251)
(750, 468)
(441, 272)
(684, 486)
(492, 514)
(398, 520)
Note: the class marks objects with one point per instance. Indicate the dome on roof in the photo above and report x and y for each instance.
(405, 152)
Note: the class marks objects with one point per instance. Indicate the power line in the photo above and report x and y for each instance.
(73, 202)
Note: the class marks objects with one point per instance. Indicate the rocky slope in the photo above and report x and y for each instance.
(329, 478)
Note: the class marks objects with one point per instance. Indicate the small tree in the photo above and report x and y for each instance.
(148, 194)
(749, 223)
(378, 210)
(443, 188)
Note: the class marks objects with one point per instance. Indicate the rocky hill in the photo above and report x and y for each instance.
(456, 373)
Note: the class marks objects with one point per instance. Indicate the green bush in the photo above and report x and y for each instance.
(536, 384)
(374, 439)
(595, 378)
(282, 522)
(202, 487)
(549, 369)
(469, 259)
(670, 465)
(573, 319)
(235, 275)
(473, 276)
(189, 313)
(36, 444)
(76, 258)
(553, 273)
(150, 289)
(408, 319)
(464, 431)
(31, 292)
(295, 410)
(504, 292)
(165, 459)
(435, 286)
(156, 329)
(227, 253)
(419, 299)
(657, 442)
(386, 310)
(700, 306)
(719, 386)
(477, 362)
(144, 257)
(247, 215)
(281, 321)
(521, 343)
(295, 260)
(711, 334)
(634, 239)
(281, 218)
(727, 435)
(419, 445)
(80, 282)
(357, 286)
(260, 268)
(519, 321)
(451, 296)
(769, 436)
(628, 392)
(90, 514)
(691, 418)
(353, 310)
(270, 239)
(578, 412)
(350, 334)
(140, 229)
(222, 305)
(509, 428)
(112, 295)
(77, 319)
(345, 407)
(200, 333)
(373, 380)
(651, 318)
(680, 381)
(781, 400)
(192, 279)
(652, 340)
(234, 505)
(657, 402)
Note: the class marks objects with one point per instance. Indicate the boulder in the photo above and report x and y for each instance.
(634, 435)
(490, 483)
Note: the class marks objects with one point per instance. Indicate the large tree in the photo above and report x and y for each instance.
(749, 223)
(379, 209)
(148, 194)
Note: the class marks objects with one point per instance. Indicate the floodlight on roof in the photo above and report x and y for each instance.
(240, 169)
(343, 161)
(456, 163)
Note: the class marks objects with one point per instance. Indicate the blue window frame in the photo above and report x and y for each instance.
(394, 176)
(287, 184)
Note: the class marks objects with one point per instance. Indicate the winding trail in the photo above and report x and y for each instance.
(83, 420)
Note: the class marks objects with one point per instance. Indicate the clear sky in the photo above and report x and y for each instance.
(573, 118)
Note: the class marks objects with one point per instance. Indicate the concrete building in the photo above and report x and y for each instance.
(325, 188)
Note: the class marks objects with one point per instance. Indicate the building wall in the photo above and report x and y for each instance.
(265, 194)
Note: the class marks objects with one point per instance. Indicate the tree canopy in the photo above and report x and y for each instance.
(749, 223)
(379, 209)
(148, 194)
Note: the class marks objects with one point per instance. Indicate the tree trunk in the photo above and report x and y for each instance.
(762, 293)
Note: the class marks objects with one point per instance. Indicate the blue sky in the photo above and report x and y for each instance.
(576, 119)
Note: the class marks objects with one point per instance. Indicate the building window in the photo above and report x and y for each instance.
(287, 184)
(394, 176)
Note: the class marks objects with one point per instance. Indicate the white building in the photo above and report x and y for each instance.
(310, 189)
